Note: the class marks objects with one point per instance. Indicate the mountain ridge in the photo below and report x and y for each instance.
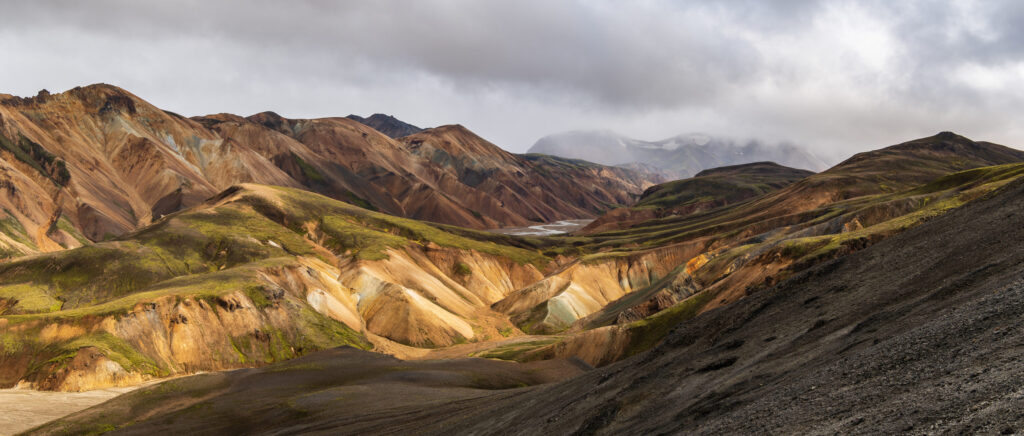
(97, 161)
(388, 125)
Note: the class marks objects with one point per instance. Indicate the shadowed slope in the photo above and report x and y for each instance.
(312, 394)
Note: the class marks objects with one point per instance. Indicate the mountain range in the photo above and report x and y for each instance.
(319, 276)
(680, 156)
(97, 162)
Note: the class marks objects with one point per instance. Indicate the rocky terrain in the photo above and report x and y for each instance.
(96, 162)
(916, 334)
(680, 157)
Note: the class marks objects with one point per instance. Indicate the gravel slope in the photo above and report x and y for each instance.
(921, 333)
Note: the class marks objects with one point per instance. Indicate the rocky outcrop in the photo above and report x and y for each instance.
(583, 288)
(295, 310)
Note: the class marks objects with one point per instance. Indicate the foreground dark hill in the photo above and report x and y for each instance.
(918, 333)
(295, 397)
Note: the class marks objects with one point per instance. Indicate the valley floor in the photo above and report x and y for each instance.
(24, 408)
(555, 228)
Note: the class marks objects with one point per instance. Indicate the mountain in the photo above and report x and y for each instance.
(709, 189)
(387, 125)
(165, 246)
(97, 162)
(916, 333)
(682, 156)
(263, 274)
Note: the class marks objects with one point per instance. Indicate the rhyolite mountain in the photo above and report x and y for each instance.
(681, 156)
(97, 162)
(388, 125)
(918, 331)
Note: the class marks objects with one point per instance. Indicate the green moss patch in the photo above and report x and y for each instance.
(30, 298)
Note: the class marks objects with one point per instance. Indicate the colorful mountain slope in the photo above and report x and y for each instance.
(257, 274)
(97, 162)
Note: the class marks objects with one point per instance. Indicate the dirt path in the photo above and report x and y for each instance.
(22, 409)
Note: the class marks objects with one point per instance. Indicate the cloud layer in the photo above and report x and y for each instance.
(836, 76)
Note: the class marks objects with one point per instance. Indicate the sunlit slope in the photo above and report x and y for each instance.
(256, 274)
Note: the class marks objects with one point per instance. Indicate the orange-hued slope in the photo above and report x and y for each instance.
(97, 161)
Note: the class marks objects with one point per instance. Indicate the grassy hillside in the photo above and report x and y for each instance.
(246, 265)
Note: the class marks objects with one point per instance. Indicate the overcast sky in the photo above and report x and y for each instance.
(835, 76)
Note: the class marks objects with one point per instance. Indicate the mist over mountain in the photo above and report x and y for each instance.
(681, 156)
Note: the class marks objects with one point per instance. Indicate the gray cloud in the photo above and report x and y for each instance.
(837, 76)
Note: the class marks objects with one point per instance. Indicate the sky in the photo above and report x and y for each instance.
(834, 76)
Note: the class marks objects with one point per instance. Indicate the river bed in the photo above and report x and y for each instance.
(549, 229)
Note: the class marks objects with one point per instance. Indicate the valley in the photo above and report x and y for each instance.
(458, 217)
(292, 251)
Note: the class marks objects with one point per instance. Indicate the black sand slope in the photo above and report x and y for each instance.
(922, 333)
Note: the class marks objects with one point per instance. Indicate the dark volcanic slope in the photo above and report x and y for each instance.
(920, 332)
(387, 125)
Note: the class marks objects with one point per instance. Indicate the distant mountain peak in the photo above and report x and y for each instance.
(681, 155)
(387, 124)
